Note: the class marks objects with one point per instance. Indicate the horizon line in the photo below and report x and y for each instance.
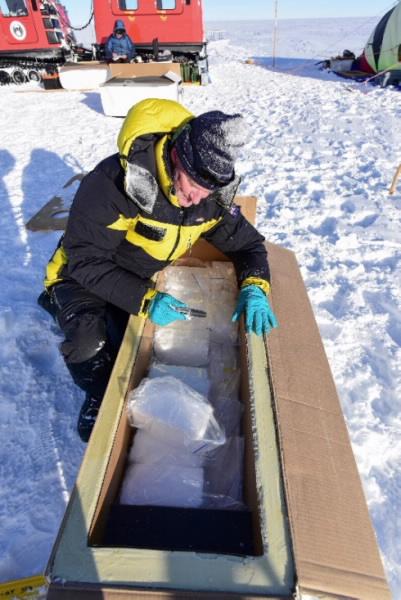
(296, 18)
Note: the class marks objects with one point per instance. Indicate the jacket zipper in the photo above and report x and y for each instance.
(177, 239)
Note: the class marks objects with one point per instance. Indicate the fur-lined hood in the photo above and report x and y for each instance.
(147, 128)
(145, 123)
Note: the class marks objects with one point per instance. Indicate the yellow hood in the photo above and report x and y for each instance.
(150, 116)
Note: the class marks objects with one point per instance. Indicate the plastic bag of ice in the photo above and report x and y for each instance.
(174, 412)
(224, 370)
(162, 485)
(186, 347)
(189, 282)
(147, 450)
(196, 377)
(224, 476)
(228, 412)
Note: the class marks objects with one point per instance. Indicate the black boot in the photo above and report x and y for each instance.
(87, 417)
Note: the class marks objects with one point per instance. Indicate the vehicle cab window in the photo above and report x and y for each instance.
(128, 4)
(166, 4)
(47, 9)
(13, 8)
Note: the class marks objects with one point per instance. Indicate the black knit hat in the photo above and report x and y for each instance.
(207, 147)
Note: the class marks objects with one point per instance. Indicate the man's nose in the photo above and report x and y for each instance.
(197, 196)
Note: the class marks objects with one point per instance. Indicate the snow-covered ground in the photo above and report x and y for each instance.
(320, 159)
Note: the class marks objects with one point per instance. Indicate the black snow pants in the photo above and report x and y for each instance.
(93, 330)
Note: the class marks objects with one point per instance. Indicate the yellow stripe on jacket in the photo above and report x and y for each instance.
(177, 239)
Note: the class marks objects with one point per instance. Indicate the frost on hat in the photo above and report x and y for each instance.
(208, 146)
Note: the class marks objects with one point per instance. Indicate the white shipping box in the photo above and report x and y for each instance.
(119, 94)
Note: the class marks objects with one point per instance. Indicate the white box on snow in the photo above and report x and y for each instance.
(119, 94)
(83, 76)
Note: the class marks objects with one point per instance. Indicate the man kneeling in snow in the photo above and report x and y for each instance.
(172, 182)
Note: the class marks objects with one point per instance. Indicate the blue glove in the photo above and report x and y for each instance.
(259, 317)
(164, 309)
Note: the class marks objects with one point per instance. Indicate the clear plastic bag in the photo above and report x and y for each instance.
(223, 369)
(162, 485)
(180, 455)
(147, 449)
(223, 476)
(223, 270)
(192, 286)
(222, 329)
(175, 413)
(228, 412)
(196, 377)
(222, 302)
(190, 282)
(182, 346)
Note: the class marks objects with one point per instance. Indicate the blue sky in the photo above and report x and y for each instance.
(264, 9)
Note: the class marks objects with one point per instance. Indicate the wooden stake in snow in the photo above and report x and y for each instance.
(275, 33)
(394, 182)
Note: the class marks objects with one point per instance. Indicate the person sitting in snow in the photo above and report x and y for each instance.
(119, 46)
(172, 182)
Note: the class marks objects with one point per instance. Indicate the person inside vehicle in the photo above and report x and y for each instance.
(119, 46)
(171, 182)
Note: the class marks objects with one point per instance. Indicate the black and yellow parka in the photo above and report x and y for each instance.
(126, 224)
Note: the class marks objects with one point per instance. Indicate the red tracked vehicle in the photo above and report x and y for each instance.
(160, 29)
(34, 34)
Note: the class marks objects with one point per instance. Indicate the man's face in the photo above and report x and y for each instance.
(188, 192)
(119, 32)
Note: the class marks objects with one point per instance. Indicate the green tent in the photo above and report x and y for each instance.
(383, 49)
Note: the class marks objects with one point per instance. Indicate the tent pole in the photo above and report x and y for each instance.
(275, 32)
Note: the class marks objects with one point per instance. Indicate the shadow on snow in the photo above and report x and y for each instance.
(298, 67)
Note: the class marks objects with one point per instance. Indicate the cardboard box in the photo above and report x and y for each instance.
(309, 524)
(150, 69)
(91, 75)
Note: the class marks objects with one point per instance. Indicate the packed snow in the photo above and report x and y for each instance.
(321, 158)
